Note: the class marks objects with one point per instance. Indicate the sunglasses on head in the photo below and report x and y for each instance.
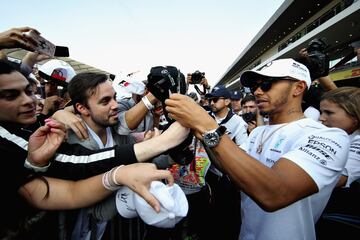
(215, 99)
(266, 84)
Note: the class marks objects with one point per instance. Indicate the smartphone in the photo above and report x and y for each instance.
(44, 46)
(61, 51)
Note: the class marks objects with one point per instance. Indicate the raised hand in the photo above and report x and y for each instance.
(44, 142)
(186, 111)
(16, 38)
(70, 120)
(31, 58)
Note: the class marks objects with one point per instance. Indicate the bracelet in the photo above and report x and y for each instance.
(107, 184)
(29, 165)
(147, 103)
(114, 175)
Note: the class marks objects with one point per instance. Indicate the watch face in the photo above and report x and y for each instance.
(211, 139)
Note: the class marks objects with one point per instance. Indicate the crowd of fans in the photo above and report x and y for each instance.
(259, 166)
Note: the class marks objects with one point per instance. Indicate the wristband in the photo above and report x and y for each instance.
(106, 181)
(28, 165)
(114, 175)
(147, 103)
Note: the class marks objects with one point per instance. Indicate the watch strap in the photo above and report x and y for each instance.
(221, 130)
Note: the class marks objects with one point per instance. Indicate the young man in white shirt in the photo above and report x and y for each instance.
(286, 170)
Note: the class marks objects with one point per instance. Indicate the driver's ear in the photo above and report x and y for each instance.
(299, 88)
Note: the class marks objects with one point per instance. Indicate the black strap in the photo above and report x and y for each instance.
(226, 119)
(199, 91)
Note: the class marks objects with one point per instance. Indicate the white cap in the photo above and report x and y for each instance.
(57, 70)
(126, 87)
(286, 67)
(173, 205)
(125, 202)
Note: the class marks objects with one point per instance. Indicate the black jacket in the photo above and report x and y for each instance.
(65, 165)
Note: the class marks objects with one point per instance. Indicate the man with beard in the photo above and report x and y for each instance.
(219, 100)
(94, 99)
(286, 170)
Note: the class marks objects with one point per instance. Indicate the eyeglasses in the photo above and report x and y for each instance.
(265, 85)
(215, 99)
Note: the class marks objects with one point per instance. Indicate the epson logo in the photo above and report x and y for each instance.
(325, 154)
(323, 145)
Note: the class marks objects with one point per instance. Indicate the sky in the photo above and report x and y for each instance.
(123, 36)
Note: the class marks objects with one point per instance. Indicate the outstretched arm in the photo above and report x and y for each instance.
(137, 113)
(31, 58)
(153, 147)
(272, 188)
(63, 194)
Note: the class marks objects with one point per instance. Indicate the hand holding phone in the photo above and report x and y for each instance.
(44, 46)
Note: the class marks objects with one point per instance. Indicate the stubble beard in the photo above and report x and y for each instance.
(278, 104)
(104, 123)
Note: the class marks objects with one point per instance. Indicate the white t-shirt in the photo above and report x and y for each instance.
(352, 167)
(236, 128)
(312, 113)
(109, 138)
(318, 150)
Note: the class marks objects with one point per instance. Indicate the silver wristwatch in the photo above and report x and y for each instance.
(212, 138)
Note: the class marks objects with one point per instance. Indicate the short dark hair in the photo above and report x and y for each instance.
(247, 98)
(83, 85)
(7, 67)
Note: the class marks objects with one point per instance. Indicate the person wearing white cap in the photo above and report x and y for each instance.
(54, 73)
(57, 71)
(286, 170)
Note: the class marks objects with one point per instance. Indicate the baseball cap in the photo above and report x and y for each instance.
(286, 67)
(173, 205)
(219, 91)
(236, 95)
(126, 87)
(57, 70)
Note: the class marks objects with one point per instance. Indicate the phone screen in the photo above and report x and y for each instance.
(44, 46)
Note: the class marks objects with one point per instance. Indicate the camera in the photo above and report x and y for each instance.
(317, 61)
(196, 77)
(164, 80)
(161, 82)
(316, 45)
(249, 117)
